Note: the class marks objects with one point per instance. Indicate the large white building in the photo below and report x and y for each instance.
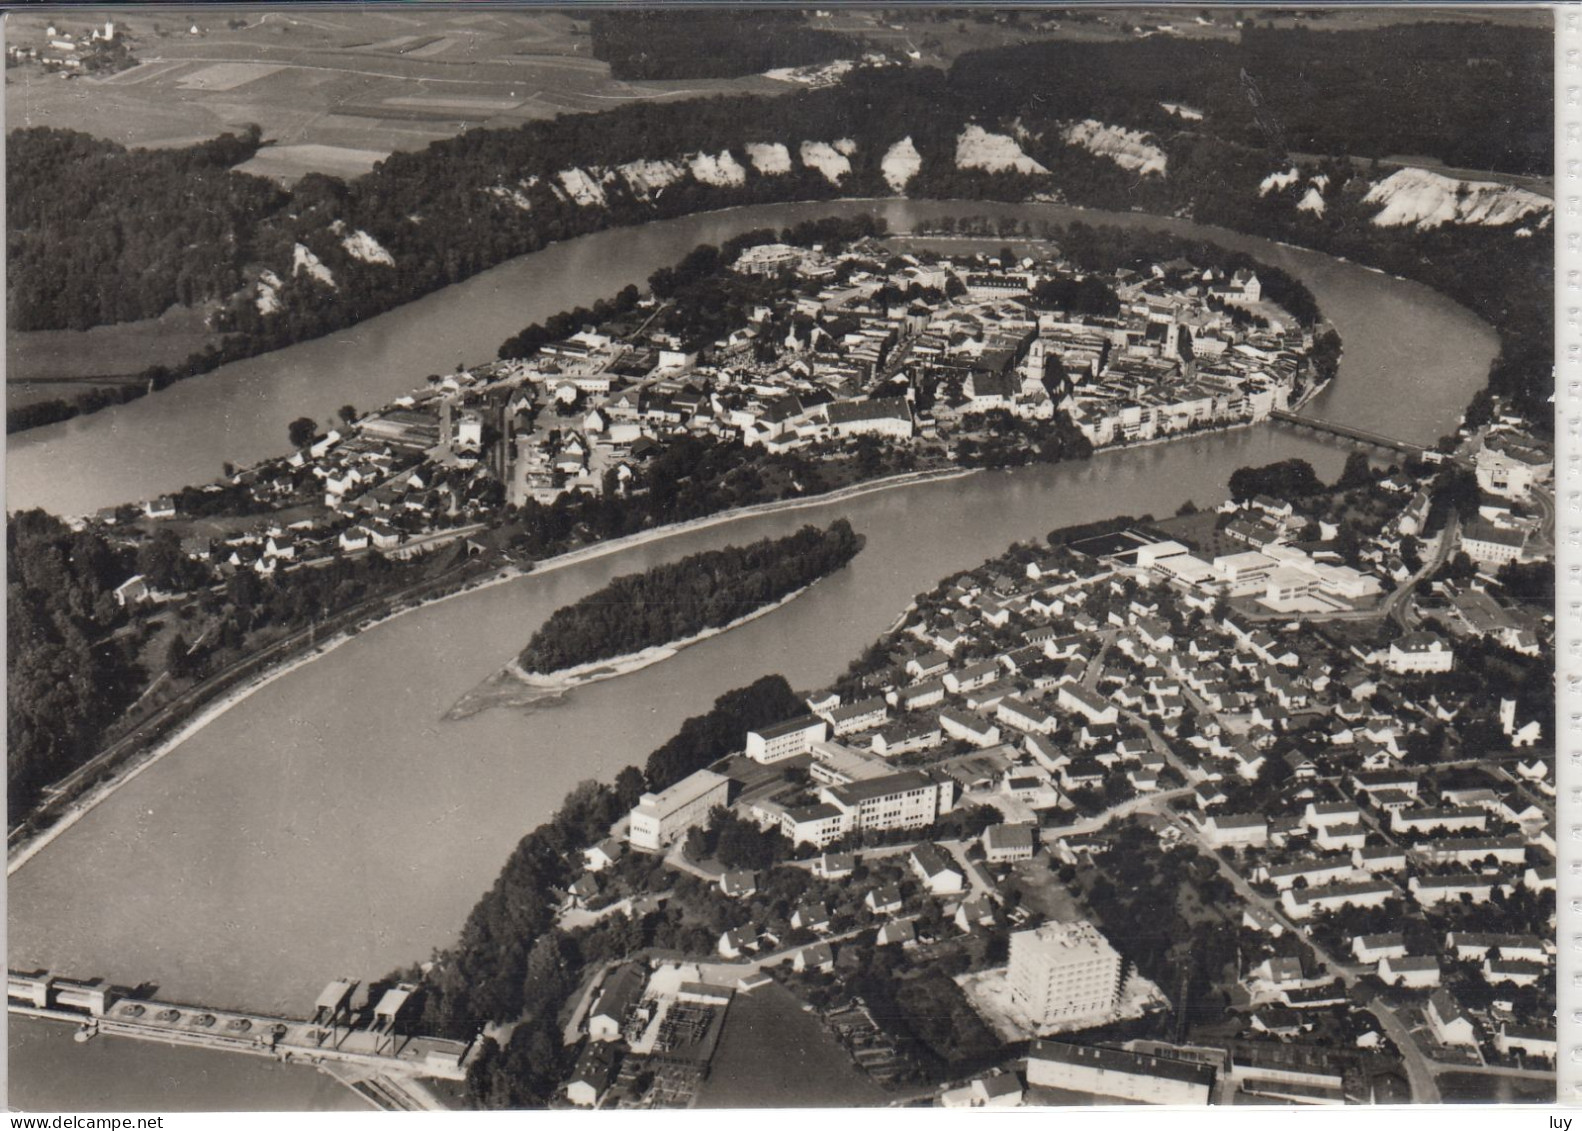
(1513, 470)
(1420, 652)
(1064, 971)
(785, 740)
(1118, 1074)
(907, 800)
(1488, 544)
(659, 818)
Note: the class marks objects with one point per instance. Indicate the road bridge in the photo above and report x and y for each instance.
(1346, 432)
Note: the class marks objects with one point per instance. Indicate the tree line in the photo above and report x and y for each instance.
(67, 676)
(97, 233)
(717, 44)
(681, 599)
(511, 964)
(437, 213)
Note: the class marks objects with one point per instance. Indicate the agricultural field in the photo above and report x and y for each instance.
(334, 91)
(42, 364)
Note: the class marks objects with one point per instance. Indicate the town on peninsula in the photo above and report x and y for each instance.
(1243, 798)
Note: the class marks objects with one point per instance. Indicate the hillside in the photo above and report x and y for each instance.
(995, 126)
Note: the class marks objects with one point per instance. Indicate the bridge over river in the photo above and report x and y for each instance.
(1347, 432)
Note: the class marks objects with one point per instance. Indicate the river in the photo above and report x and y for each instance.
(332, 824)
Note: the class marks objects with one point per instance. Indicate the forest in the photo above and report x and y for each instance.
(681, 599)
(97, 233)
(1473, 95)
(67, 676)
(511, 964)
(712, 44)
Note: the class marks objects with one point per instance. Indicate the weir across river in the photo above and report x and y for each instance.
(371, 1040)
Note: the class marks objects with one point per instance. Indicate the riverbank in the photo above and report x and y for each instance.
(211, 874)
(515, 686)
(21, 853)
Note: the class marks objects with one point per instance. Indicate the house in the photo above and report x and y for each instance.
(1502, 971)
(1432, 890)
(1228, 830)
(738, 942)
(1006, 844)
(1029, 718)
(1299, 903)
(1370, 949)
(1256, 917)
(819, 956)
(583, 891)
(1476, 945)
(937, 869)
(1312, 872)
(971, 677)
(1448, 1021)
(1341, 838)
(602, 855)
(1078, 700)
(622, 991)
(594, 1073)
(1323, 814)
(1379, 858)
(920, 695)
(897, 933)
(978, 911)
(968, 726)
(862, 715)
(1119, 1074)
(835, 865)
(884, 900)
(132, 591)
(739, 885)
(1413, 973)
(1527, 1041)
(1426, 820)
(811, 916)
(1419, 652)
(1279, 1022)
(1278, 971)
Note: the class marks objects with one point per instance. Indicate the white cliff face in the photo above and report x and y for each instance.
(772, 159)
(720, 170)
(647, 179)
(1277, 181)
(268, 298)
(303, 260)
(976, 148)
(360, 245)
(815, 75)
(901, 163)
(845, 146)
(582, 187)
(826, 159)
(515, 196)
(1312, 201)
(1130, 149)
(1428, 200)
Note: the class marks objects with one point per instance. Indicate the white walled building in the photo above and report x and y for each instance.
(1064, 971)
(658, 819)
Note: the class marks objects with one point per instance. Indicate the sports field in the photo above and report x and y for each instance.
(333, 91)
